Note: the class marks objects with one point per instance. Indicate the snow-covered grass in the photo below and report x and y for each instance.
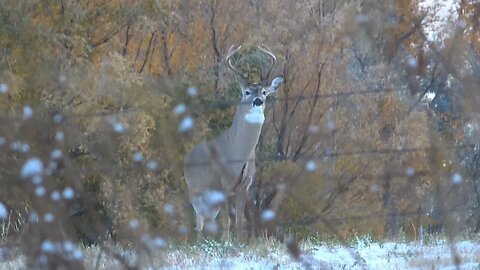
(271, 254)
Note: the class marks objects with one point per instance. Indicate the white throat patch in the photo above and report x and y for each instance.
(255, 115)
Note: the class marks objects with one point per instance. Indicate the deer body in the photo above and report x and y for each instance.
(220, 172)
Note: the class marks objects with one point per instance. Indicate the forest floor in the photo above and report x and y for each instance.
(270, 254)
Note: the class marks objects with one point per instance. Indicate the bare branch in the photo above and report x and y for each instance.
(108, 36)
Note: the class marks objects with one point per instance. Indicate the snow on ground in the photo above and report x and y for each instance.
(375, 256)
(270, 254)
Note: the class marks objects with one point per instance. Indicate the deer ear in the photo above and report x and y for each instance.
(275, 84)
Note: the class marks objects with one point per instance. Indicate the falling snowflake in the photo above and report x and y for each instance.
(33, 217)
(37, 179)
(68, 193)
(118, 128)
(138, 157)
(20, 147)
(412, 62)
(48, 217)
(186, 124)
(211, 227)
(362, 19)
(313, 129)
(68, 246)
(3, 211)
(159, 243)
(27, 112)
(62, 78)
(311, 166)
(55, 196)
(331, 125)
(214, 197)
(40, 191)
(182, 229)
(145, 238)
(152, 165)
(374, 188)
(56, 154)
(59, 136)
(32, 167)
(457, 179)
(179, 109)
(169, 209)
(57, 118)
(48, 246)
(3, 88)
(134, 223)
(268, 215)
(192, 91)
(410, 171)
(78, 255)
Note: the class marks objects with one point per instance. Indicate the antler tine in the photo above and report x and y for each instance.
(232, 52)
(266, 50)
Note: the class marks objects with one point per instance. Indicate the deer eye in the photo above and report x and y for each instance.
(247, 93)
(264, 92)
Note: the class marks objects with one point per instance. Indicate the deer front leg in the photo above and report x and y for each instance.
(240, 201)
(225, 219)
(251, 218)
(231, 215)
(199, 228)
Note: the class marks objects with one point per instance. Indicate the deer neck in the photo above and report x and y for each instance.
(242, 137)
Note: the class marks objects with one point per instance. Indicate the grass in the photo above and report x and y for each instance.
(268, 253)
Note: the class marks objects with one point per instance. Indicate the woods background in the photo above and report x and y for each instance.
(374, 131)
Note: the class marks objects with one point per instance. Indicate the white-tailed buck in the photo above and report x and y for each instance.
(220, 172)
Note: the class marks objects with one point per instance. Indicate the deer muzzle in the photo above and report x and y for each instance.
(257, 102)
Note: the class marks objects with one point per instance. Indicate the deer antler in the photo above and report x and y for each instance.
(230, 54)
(266, 50)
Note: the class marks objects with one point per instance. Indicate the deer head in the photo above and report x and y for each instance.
(255, 93)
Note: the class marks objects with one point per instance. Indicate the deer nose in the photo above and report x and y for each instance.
(257, 102)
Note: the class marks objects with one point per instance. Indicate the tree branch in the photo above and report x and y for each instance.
(108, 36)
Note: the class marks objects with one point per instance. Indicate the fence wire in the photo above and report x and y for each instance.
(223, 105)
